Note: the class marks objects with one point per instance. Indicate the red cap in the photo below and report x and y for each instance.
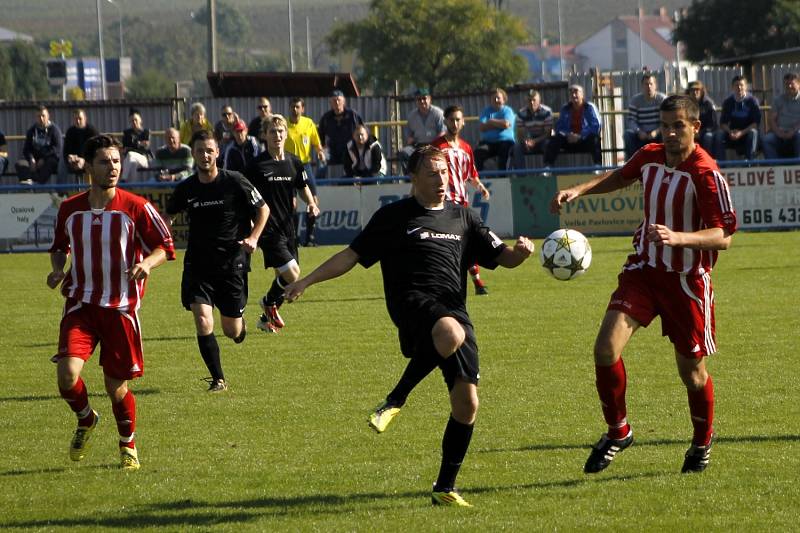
(240, 126)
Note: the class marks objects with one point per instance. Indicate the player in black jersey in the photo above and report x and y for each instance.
(277, 175)
(425, 246)
(226, 217)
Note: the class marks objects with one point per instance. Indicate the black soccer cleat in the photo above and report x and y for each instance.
(481, 290)
(604, 452)
(697, 457)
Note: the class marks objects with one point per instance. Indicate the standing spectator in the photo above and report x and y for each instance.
(135, 147)
(197, 122)
(116, 238)
(739, 122)
(534, 128)
(3, 153)
(241, 150)
(173, 160)
(42, 150)
(497, 132)
(264, 112)
(226, 217)
(336, 129)
(364, 155)
(75, 139)
(577, 129)
(643, 125)
(708, 116)
(223, 129)
(301, 137)
(784, 139)
(424, 124)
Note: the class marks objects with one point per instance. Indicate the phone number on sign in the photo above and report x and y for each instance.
(783, 215)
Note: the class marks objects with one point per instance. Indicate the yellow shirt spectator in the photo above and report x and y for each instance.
(188, 128)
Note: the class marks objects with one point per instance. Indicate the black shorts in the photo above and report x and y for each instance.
(415, 329)
(278, 249)
(227, 291)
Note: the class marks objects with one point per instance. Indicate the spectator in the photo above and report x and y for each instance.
(364, 155)
(643, 116)
(739, 122)
(174, 159)
(577, 129)
(534, 127)
(497, 132)
(784, 139)
(42, 150)
(241, 150)
(223, 129)
(336, 128)
(424, 124)
(135, 147)
(264, 112)
(3, 153)
(708, 116)
(197, 122)
(74, 140)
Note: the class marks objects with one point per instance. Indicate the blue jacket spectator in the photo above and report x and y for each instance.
(336, 129)
(497, 123)
(577, 129)
(739, 121)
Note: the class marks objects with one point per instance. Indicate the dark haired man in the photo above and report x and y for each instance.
(784, 138)
(41, 151)
(739, 122)
(74, 140)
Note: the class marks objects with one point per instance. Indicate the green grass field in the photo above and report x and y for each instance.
(287, 448)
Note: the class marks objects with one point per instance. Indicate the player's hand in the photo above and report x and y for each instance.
(295, 290)
(313, 210)
(55, 277)
(139, 271)
(661, 235)
(561, 198)
(249, 244)
(523, 247)
(485, 194)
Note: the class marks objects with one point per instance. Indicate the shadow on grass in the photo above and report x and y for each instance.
(48, 397)
(59, 470)
(644, 442)
(164, 339)
(315, 300)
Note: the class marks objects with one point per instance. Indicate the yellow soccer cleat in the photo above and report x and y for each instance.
(449, 497)
(384, 413)
(128, 459)
(80, 440)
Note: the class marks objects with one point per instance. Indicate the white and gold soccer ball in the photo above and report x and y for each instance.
(566, 254)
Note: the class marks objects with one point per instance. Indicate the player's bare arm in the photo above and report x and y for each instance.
(705, 239)
(313, 208)
(250, 243)
(141, 270)
(515, 255)
(58, 260)
(339, 264)
(608, 182)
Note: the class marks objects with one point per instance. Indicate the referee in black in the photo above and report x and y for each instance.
(226, 217)
(425, 246)
(277, 175)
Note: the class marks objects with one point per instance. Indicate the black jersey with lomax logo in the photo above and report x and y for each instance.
(425, 253)
(277, 181)
(220, 215)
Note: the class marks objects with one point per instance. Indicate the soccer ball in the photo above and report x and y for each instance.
(566, 254)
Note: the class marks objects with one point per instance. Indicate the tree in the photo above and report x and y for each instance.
(444, 45)
(22, 72)
(151, 83)
(232, 26)
(731, 28)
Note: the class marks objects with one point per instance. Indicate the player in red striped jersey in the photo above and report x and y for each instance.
(461, 170)
(688, 218)
(115, 239)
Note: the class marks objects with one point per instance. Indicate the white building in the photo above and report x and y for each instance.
(8, 35)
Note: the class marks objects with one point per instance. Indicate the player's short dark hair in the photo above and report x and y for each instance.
(41, 108)
(97, 143)
(738, 78)
(202, 135)
(646, 76)
(134, 111)
(790, 76)
(676, 102)
(422, 153)
(298, 100)
(452, 109)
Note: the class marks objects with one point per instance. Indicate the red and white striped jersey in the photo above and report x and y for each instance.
(461, 168)
(105, 244)
(689, 198)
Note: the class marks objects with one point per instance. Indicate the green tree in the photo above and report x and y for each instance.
(445, 45)
(151, 83)
(731, 28)
(232, 26)
(22, 72)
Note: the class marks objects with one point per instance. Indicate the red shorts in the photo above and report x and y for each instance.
(84, 325)
(684, 303)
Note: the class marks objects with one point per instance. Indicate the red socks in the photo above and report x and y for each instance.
(78, 400)
(125, 414)
(611, 384)
(701, 407)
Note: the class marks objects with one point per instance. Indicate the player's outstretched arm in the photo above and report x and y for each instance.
(704, 239)
(608, 182)
(58, 260)
(514, 256)
(334, 267)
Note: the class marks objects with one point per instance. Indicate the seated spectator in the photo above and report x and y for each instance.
(42, 150)
(3, 153)
(264, 112)
(739, 122)
(534, 127)
(784, 138)
(74, 140)
(364, 157)
(197, 122)
(644, 118)
(424, 124)
(577, 129)
(174, 160)
(135, 148)
(241, 150)
(497, 132)
(708, 116)
(223, 130)
(336, 128)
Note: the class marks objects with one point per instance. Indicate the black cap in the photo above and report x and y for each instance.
(337, 92)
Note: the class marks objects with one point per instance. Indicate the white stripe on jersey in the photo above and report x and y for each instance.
(105, 254)
(158, 222)
(86, 258)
